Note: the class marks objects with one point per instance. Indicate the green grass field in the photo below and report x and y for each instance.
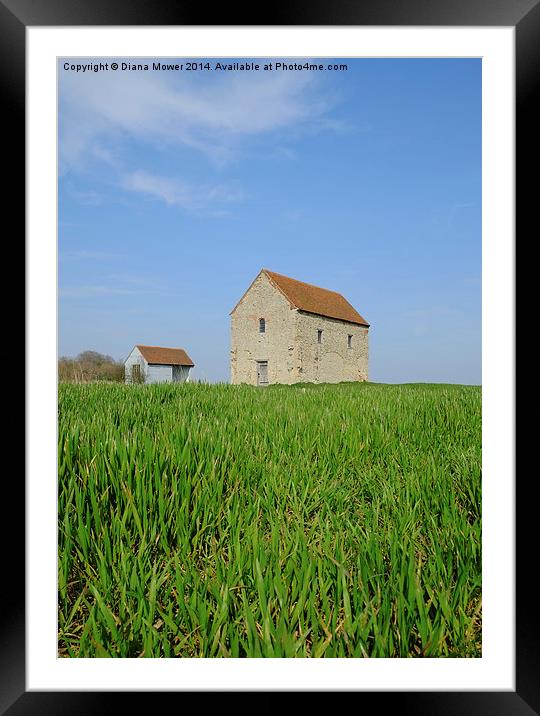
(303, 521)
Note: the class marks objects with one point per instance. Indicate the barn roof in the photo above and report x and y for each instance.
(313, 299)
(165, 356)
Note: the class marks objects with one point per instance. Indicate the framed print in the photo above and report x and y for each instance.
(102, 179)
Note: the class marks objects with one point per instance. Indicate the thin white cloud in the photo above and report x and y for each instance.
(88, 198)
(88, 290)
(456, 208)
(176, 192)
(118, 285)
(91, 290)
(293, 214)
(285, 153)
(430, 312)
(149, 282)
(100, 111)
(90, 255)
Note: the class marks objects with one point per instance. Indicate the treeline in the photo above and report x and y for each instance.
(90, 366)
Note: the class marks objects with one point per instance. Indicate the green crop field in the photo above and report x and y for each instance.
(290, 521)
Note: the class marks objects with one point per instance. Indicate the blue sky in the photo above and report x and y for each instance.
(176, 188)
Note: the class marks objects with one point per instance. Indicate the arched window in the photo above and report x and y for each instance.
(262, 325)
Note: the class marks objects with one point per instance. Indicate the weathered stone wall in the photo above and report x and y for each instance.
(289, 343)
(330, 361)
(276, 344)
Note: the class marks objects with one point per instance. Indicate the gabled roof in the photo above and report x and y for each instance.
(313, 299)
(165, 356)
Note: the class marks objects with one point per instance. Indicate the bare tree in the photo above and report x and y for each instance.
(90, 366)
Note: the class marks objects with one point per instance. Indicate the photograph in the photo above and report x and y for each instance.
(270, 354)
(269, 357)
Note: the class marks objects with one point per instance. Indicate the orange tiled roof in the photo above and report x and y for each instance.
(314, 299)
(165, 356)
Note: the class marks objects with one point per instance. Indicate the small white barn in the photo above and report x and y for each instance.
(155, 364)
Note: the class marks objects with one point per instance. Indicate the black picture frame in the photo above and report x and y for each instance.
(15, 17)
